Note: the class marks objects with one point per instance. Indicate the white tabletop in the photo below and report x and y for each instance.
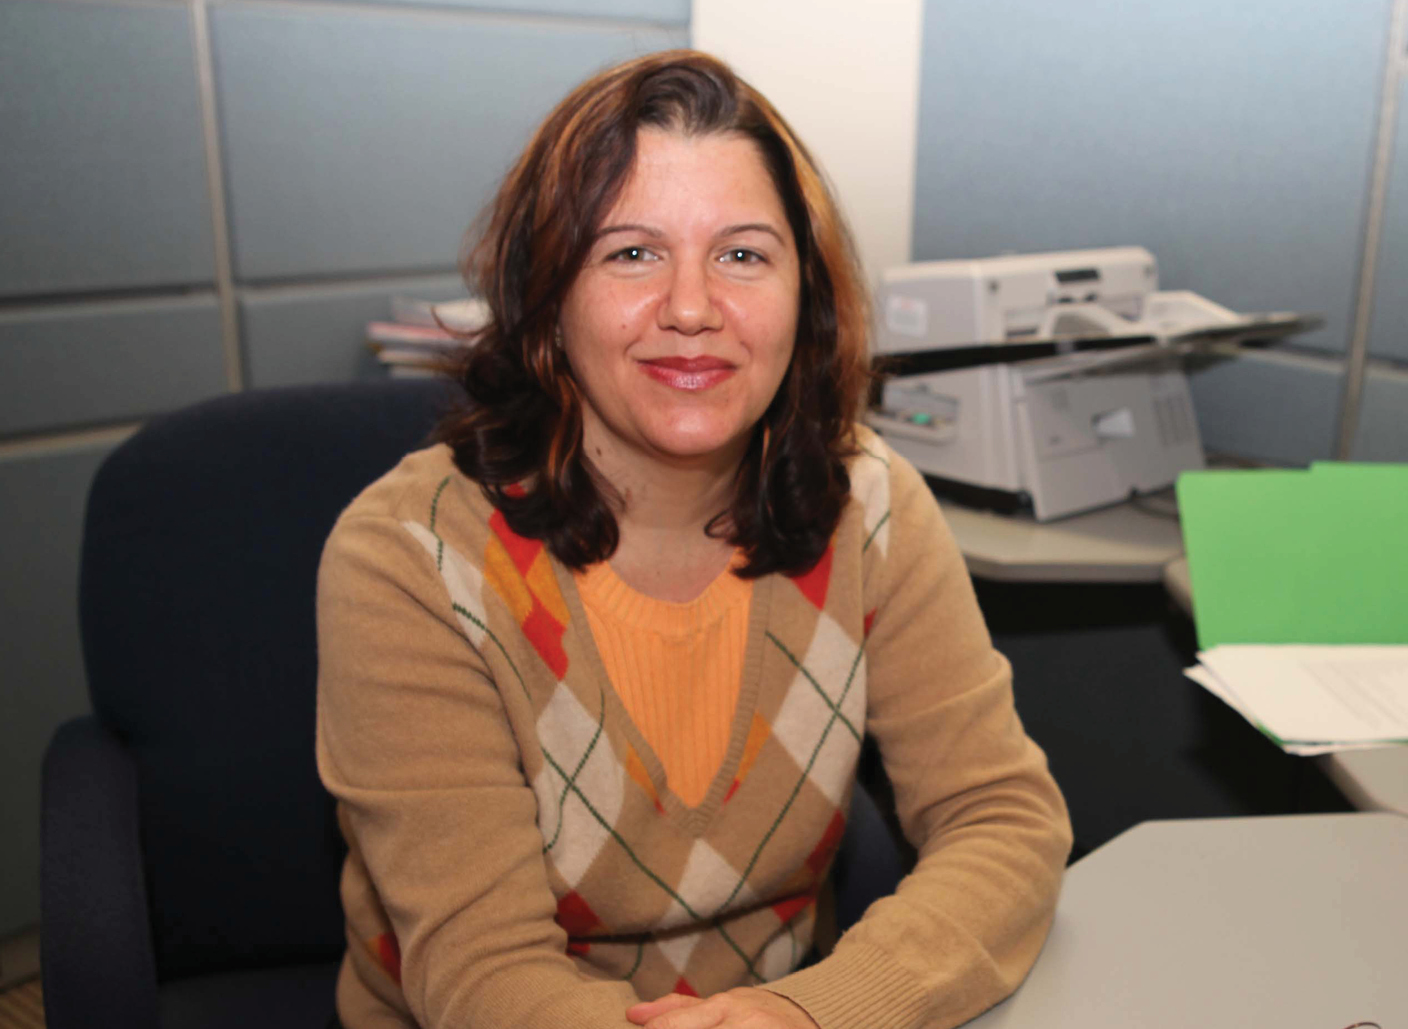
(1130, 542)
(1372, 780)
(1296, 922)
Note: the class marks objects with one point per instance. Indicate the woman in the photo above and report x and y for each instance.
(595, 670)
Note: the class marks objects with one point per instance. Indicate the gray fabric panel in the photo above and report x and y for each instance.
(317, 334)
(90, 363)
(673, 12)
(102, 168)
(1388, 335)
(1383, 418)
(1277, 411)
(41, 522)
(366, 141)
(1231, 139)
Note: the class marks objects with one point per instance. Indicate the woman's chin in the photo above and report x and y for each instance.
(694, 446)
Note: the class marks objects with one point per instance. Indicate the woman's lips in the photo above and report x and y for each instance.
(689, 373)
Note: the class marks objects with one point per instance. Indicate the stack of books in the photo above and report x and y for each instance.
(422, 335)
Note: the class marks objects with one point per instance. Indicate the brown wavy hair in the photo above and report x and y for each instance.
(520, 436)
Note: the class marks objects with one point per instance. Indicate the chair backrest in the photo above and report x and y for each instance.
(199, 566)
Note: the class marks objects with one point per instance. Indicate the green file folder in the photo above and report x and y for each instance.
(1318, 556)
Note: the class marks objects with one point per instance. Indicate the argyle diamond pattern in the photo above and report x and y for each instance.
(782, 954)
(581, 790)
(821, 719)
(463, 582)
(708, 884)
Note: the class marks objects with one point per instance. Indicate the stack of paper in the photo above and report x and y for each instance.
(1309, 699)
(422, 334)
(1300, 595)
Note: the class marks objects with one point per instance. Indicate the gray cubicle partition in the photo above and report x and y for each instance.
(104, 183)
(365, 141)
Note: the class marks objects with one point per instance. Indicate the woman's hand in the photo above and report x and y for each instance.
(744, 1008)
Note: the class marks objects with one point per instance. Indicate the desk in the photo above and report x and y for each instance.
(1371, 780)
(1179, 583)
(1296, 922)
(1130, 542)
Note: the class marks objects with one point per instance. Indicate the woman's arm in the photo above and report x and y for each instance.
(414, 741)
(973, 794)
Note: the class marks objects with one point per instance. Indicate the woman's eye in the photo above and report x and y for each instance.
(741, 255)
(632, 254)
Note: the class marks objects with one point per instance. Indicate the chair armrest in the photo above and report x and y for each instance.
(96, 950)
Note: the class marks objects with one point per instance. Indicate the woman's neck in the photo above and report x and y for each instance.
(665, 507)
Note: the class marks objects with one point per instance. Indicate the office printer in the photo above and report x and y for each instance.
(1050, 380)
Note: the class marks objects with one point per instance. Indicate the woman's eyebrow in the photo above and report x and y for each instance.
(607, 230)
(734, 230)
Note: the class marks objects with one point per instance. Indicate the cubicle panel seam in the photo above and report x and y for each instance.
(1357, 350)
(62, 442)
(215, 183)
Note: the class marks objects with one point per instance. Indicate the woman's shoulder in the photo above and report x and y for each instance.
(877, 469)
(890, 494)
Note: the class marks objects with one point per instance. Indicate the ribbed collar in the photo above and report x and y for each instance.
(608, 594)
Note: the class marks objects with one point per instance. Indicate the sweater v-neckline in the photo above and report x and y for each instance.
(694, 820)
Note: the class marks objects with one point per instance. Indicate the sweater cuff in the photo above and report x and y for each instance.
(857, 987)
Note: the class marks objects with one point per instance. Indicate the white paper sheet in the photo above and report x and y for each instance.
(1313, 699)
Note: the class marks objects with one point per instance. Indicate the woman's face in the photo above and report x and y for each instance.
(681, 323)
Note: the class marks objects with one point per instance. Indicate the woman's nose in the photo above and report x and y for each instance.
(690, 306)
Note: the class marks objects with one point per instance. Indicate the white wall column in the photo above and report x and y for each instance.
(845, 75)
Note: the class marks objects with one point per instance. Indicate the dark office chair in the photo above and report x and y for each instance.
(190, 855)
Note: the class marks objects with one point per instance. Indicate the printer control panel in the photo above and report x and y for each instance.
(916, 410)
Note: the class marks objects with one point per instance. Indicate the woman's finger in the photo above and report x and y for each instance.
(703, 1015)
(642, 1013)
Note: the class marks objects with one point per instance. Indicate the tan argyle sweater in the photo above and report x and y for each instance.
(517, 859)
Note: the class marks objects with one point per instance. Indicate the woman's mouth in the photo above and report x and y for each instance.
(689, 373)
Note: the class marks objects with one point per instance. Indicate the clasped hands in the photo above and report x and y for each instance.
(744, 1008)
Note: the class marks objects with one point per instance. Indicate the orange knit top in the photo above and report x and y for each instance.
(677, 668)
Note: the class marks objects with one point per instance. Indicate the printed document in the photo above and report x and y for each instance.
(1312, 699)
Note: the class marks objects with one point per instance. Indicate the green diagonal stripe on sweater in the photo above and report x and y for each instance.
(747, 962)
(835, 710)
(870, 453)
(600, 724)
(871, 538)
(434, 505)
